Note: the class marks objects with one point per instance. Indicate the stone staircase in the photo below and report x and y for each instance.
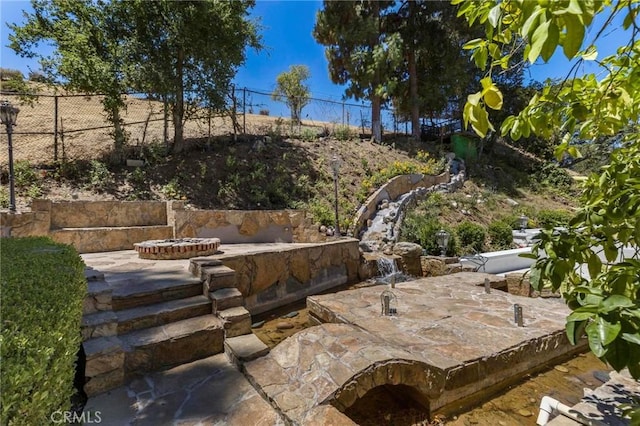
(143, 321)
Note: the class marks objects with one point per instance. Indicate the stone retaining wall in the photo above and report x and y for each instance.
(276, 278)
(117, 222)
(252, 226)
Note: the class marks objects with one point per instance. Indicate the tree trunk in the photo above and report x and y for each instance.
(376, 124)
(178, 108)
(413, 95)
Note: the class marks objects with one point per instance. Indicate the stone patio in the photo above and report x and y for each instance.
(450, 341)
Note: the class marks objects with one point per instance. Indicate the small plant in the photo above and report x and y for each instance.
(471, 236)
(551, 175)
(365, 167)
(24, 175)
(422, 229)
(308, 135)
(553, 218)
(100, 178)
(423, 156)
(343, 133)
(230, 161)
(34, 191)
(4, 198)
(322, 212)
(501, 235)
(264, 112)
(172, 190)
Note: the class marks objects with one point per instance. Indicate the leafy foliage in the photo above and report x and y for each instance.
(183, 52)
(552, 218)
(500, 235)
(422, 229)
(603, 237)
(395, 169)
(290, 86)
(471, 236)
(41, 317)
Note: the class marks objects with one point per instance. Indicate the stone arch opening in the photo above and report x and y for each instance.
(390, 404)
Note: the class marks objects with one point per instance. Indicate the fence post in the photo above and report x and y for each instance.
(235, 111)
(244, 110)
(55, 128)
(343, 114)
(165, 122)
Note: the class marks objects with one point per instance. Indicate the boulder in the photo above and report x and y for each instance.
(404, 249)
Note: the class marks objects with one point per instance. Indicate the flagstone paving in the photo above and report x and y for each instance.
(450, 340)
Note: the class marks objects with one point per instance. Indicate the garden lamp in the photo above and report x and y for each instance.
(8, 117)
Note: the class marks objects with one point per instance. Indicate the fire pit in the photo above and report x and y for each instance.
(179, 248)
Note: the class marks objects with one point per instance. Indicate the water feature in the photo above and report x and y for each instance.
(389, 273)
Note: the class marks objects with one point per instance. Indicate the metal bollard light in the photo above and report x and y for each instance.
(517, 315)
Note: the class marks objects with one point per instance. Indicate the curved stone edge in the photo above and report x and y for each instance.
(428, 380)
(391, 190)
(176, 249)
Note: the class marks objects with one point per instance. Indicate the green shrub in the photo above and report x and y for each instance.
(501, 235)
(42, 285)
(553, 218)
(396, 168)
(551, 175)
(421, 229)
(322, 212)
(9, 74)
(471, 236)
(308, 135)
(343, 133)
(100, 178)
(24, 175)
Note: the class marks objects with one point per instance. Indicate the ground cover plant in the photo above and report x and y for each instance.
(42, 285)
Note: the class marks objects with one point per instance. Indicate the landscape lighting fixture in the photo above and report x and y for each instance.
(524, 221)
(335, 164)
(8, 117)
(442, 238)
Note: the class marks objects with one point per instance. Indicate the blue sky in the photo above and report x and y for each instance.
(288, 40)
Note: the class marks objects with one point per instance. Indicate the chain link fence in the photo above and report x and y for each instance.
(58, 128)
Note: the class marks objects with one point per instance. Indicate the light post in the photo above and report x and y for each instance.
(524, 221)
(8, 117)
(442, 238)
(335, 164)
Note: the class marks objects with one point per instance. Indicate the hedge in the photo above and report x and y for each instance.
(42, 286)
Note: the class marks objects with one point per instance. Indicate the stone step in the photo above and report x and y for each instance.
(102, 239)
(162, 313)
(156, 348)
(132, 292)
(197, 263)
(98, 297)
(104, 368)
(225, 298)
(98, 324)
(245, 348)
(237, 321)
(216, 277)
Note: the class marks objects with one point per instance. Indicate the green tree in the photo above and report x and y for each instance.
(435, 70)
(88, 50)
(184, 52)
(604, 235)
(187, 52)
(360, 50)
(290, 86)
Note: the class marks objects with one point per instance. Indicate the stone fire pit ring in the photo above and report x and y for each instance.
(178, 248)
